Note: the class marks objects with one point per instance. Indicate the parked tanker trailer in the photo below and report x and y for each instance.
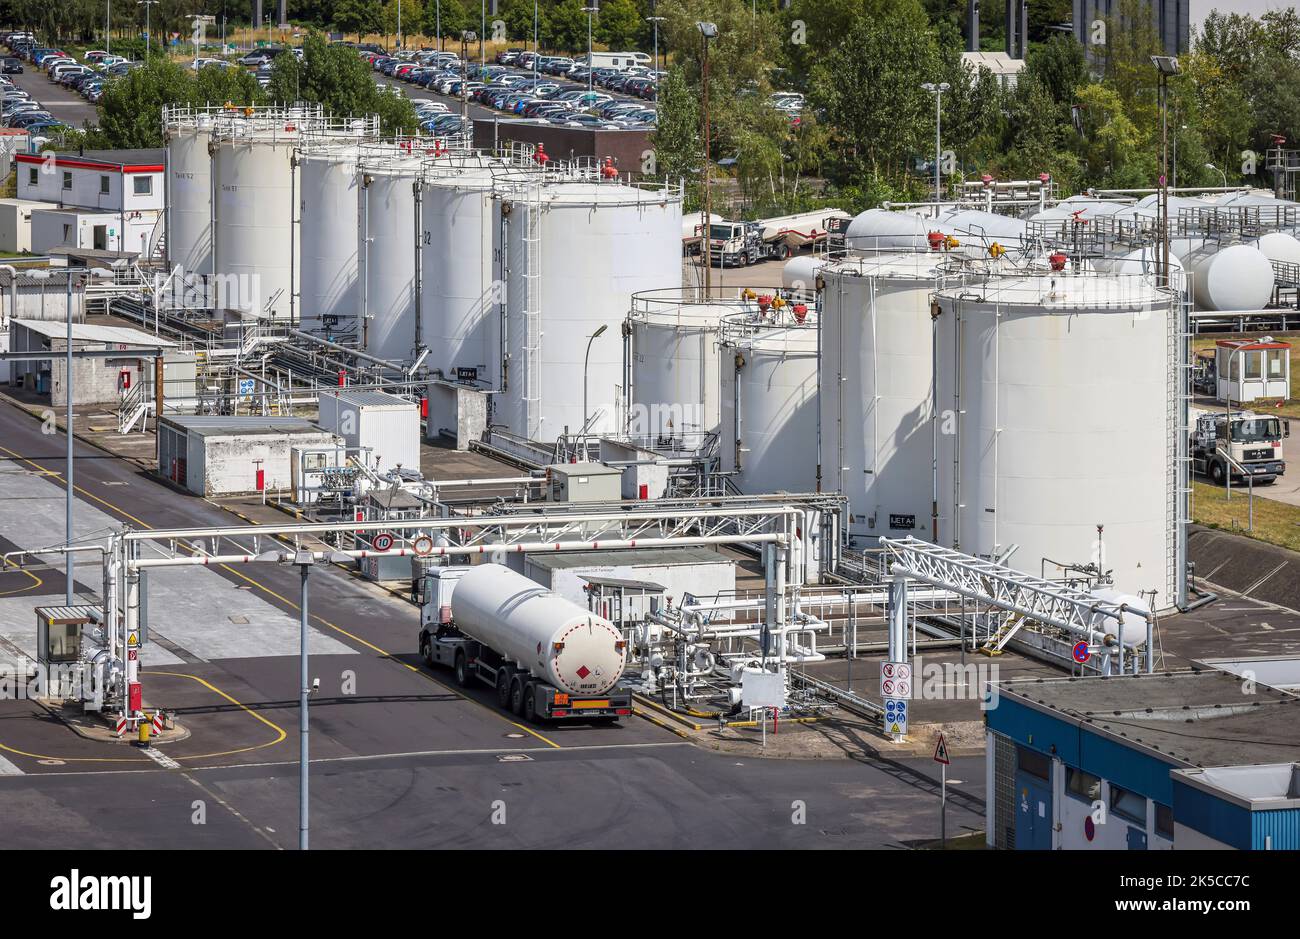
(546, 657)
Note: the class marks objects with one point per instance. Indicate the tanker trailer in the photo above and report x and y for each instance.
(547, 657)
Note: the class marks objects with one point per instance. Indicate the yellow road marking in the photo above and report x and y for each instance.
(291, 604)
(279, 731)
(38, 581)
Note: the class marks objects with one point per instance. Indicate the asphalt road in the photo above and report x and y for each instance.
(404, 759)
(67, 106)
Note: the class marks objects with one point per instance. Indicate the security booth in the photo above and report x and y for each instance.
(1250, 369)
(70, 649)
(58, 633)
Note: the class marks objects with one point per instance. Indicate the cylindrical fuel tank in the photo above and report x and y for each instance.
(554, 638)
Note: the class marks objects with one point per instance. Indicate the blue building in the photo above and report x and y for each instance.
(1192, 759)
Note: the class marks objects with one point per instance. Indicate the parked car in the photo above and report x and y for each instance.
(12, 66)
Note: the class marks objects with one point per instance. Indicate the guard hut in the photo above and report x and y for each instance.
(1112, 764)
(213, 455)
(1250, 369)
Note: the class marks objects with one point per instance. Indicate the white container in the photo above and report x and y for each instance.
(882, 230)
(555, 639)
(461, 303)
(386, 268)
(328, 205)
(16, 223)
(1235, 277)
(1059, 385)
(254, 221)
(769, 403)
(577, 253)
(876, 391)
(800, 273)
(189, 198)
(674, 366)
(387, 424)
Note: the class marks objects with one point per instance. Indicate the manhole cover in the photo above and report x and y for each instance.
(53, 762)
(515, 736)
(239, 620)
(514, 758)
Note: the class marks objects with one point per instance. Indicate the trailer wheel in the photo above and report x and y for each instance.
(530, 704)
(503, 687)
(517, 695)
(1216, 472)
(785, 252)
(464, 677)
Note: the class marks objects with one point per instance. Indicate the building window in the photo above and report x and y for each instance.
(32, 175)
(1254, 364)
(67, 230)
(1164, 821)
(1033, 763)
(144, 185)
(1276, 363)
(1128, 805)
(103, 185)
(1082, 785)
(67, 180)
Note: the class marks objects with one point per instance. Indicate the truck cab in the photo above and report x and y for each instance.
(1239, 445)
(735, 244)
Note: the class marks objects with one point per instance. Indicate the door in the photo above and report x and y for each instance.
(1033, 814)
(1137, 839)
(101, 238)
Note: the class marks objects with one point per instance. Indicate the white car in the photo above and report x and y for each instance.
(432, 107)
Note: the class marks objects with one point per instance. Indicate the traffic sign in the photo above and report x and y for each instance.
(941, 751)
(1081, 652)
(383, 541)
(422, 545)
(132, 654)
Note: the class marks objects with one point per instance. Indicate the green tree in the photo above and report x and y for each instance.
(454, 16)
(357, 16)
(676, 138)
(131, 107)
(619, 24)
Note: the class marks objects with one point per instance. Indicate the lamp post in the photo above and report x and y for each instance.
(482, 36)
(590, 11)
(537, 50)
(937, 91)
(108, 25)
(303, 560)
(1166, 65)
(1211, 166)
(656, 20)
(707, 31)
(466, 37)
(148, 34)
(585, 360)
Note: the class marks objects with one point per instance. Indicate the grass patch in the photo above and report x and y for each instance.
(1289, 408)
(1275, 522)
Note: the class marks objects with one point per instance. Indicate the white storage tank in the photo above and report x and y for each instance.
(882, 230)
(577, 253)
(1060, 388)
(254, 232)
(328, 204)
(800, 273)
(769, 401)
(188, 225)
(876, 394)
(387, 248)
(673, 348)
(555, 639)
(1228, 277)
(461, 302)
(386, 424)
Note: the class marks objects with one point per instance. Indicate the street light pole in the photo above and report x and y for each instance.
(108, 25)
(482, 36)
(67, 382)
(537, 51)
(937, 91)
(148, 33)
(656, 20)
(303, 560)
(707, 31)
(1211, 166)
(590, 11)
(585, 361)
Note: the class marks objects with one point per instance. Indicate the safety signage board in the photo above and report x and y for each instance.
(895, 716)
(895, 680)
(941, 751)
(132, 654)
(133, 641)
(246, 387)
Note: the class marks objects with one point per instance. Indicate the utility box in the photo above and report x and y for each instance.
(583, 482)
(457, 413)
(385, 425)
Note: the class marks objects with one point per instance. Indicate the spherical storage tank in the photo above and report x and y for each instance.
(189, 193)
(577, 252)
(554, 638)
(460, 301)
(328, 205)
(876, 391)
(674, 364)
(386, 262)
(254, 216)
(769, 401)
(1059, 385)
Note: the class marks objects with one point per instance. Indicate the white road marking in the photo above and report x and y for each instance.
(161, 758)
(8, 769)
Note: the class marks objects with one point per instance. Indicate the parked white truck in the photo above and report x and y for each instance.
(1253, 442)
(739, 244)
(547, 657)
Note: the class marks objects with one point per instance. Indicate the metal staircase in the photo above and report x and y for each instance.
(134, 406)
(533, 314)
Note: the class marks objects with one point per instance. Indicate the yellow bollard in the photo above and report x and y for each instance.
(146, 728)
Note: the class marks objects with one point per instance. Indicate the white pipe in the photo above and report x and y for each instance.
(206, 560)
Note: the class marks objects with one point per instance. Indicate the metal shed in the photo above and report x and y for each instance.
(222, 455)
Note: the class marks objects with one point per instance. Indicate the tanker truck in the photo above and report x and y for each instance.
(547, 657)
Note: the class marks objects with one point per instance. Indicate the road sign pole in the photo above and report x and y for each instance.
(943, 806)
